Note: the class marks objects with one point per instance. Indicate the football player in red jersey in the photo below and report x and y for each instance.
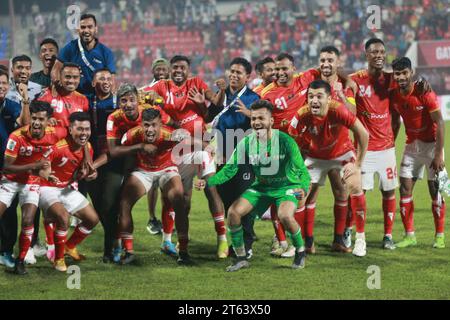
(59, 197)
(154, 166)
(424, 148)
(184, 100)
(65, 99)
(128, 116)
(325, 123)
(25, 155)
(266, 70)
(372, 109)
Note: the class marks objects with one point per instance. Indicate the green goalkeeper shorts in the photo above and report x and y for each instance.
(261, 199)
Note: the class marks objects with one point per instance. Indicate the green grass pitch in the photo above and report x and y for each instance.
(412, 273)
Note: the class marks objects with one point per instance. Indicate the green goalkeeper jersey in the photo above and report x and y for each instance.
(277, 163)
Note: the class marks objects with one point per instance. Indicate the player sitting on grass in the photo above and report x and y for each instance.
(281, 179)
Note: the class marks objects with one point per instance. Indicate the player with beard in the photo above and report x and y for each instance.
(425, 132)
(154, 166)
(184, 100)
(266, 71)
(12, 116)
(160, 71)
(47, 54)
(325, 123)
(281, 179)
(126, 117)
(328, 67)
(66, 100)
(25, 155)
(372, 109)
(88, 53)
(59, 197)
(20, 80)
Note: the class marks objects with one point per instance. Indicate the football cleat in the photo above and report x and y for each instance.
(39, 250)
(337, 247)
(408, 241)
(73, 253)
(388, 243)
(240, 263)
(348, 237)
(7, 260)
(439, 242)
(60, 265)
(51, 253)
(154, 226)
(30, 258)
(127, 258)
(299, 260)
(184, 259)
(360, 247)
(222, 249)
(289, 253)
(168, 248)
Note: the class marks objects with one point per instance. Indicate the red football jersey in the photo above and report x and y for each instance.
(26, 150)
(163, 157)
(118, 124)
(66, 162)
(372, 105)
(64, 106)
(177, 103)
(415, 110)
(259, 88)
(328, 136)
(287, 100)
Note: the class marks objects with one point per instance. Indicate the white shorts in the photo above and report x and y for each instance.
(71, 199)
(417, 156)
(198, 163)
(319, 168)
(384, 164)
(28, 193)
(150, 178)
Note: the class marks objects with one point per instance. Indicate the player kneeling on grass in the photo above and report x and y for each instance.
(325, 123)
(154, 167)
(281, 179)
(58, 197)
(424, 128)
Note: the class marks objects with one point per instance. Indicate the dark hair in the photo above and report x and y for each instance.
(85, 16)
(243, 62)
(283, 56)
(101, 70)
(4, 72)
(317, 84)
(259, 67)
(40, 106)
(401, 64)
(262, 104)
(150, 114)
(330, 49)
(79, 116)
(372, 41)
(22, 57)
(180, 58)
(49, 41)
(70, 65)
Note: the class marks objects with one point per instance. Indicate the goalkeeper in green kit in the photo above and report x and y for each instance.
(281, 179)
